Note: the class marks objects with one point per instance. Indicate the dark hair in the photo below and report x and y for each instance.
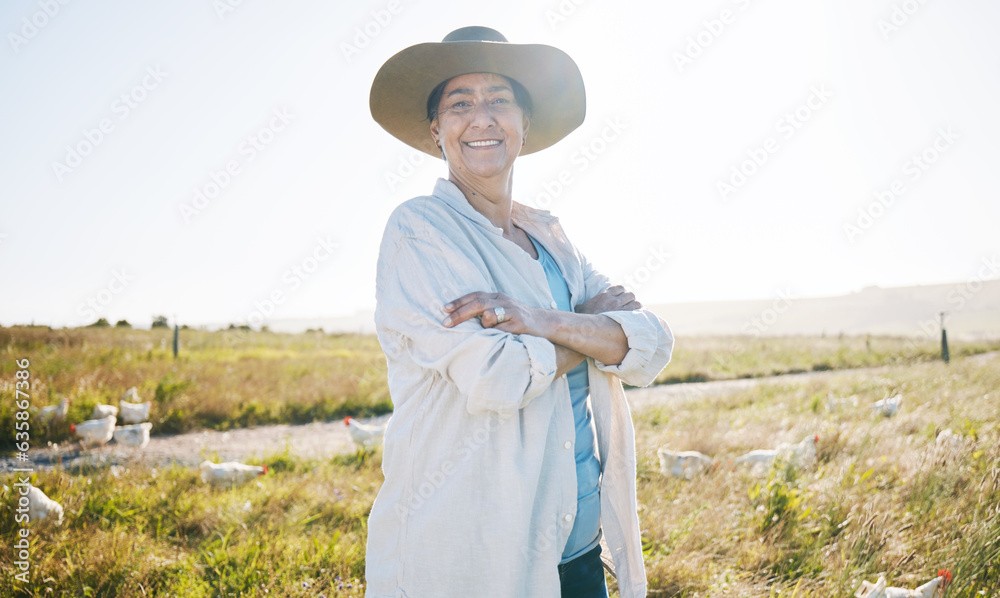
(521, 96)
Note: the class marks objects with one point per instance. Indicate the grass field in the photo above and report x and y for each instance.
(148, 531)
(701, 359)
(881, 498)
(221, 380)
(234, 379)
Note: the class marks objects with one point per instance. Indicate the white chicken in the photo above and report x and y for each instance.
(229, 473)
(683, 464)
(949, 440)
(134, 413)
(888, 406)
(364, 435)
(43, 508)
(54, 413)
(135, 435)
(880, 590)
(95, 431)
(102, 411)
(801, 454)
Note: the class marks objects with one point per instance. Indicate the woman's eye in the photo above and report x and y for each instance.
(501, 101)
(462, 104)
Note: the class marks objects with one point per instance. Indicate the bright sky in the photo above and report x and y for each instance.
(115, 114)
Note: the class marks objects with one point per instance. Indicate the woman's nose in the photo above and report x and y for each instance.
(482, 115)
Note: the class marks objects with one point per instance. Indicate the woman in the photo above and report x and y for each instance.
(510, 456)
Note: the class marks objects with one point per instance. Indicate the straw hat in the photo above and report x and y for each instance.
(400, 90)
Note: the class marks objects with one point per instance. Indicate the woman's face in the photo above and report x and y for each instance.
(480, 128)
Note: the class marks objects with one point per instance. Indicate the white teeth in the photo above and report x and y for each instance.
(484, 143)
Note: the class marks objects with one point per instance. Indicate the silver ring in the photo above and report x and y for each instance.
(500, 314)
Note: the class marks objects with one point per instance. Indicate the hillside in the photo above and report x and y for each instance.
(973, 312)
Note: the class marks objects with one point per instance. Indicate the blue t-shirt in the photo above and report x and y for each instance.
(586, 533)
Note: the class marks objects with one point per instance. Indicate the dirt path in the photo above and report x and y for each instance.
(323, 440)
(317, 440)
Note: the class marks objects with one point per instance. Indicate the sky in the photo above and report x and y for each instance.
(200, 159)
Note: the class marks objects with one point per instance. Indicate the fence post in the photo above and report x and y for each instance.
(944, 341)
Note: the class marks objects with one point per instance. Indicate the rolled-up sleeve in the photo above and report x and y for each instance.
(650, 343)
(496, 370)
(650, 340)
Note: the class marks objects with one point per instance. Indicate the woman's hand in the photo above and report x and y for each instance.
(616, 298)
(589, 335)
(518, 318)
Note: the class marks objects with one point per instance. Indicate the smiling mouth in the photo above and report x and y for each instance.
(485, 143)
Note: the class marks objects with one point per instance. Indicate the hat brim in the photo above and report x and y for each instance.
(399, 93)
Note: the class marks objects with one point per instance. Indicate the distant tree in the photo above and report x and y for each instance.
(160, 322)
(265, 329)
(122, 324)
(185, 327)
(100, 324)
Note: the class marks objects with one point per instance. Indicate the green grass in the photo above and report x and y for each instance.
(137, 530)
(233, 379)
(221, 380)
(882, 497)
(700, 359)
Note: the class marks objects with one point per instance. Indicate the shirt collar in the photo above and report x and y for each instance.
(450, 194)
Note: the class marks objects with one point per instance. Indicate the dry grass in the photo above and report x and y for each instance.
(698, 359)
(220, 380)
(882, 497)
(232, 379)
(140, 531)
